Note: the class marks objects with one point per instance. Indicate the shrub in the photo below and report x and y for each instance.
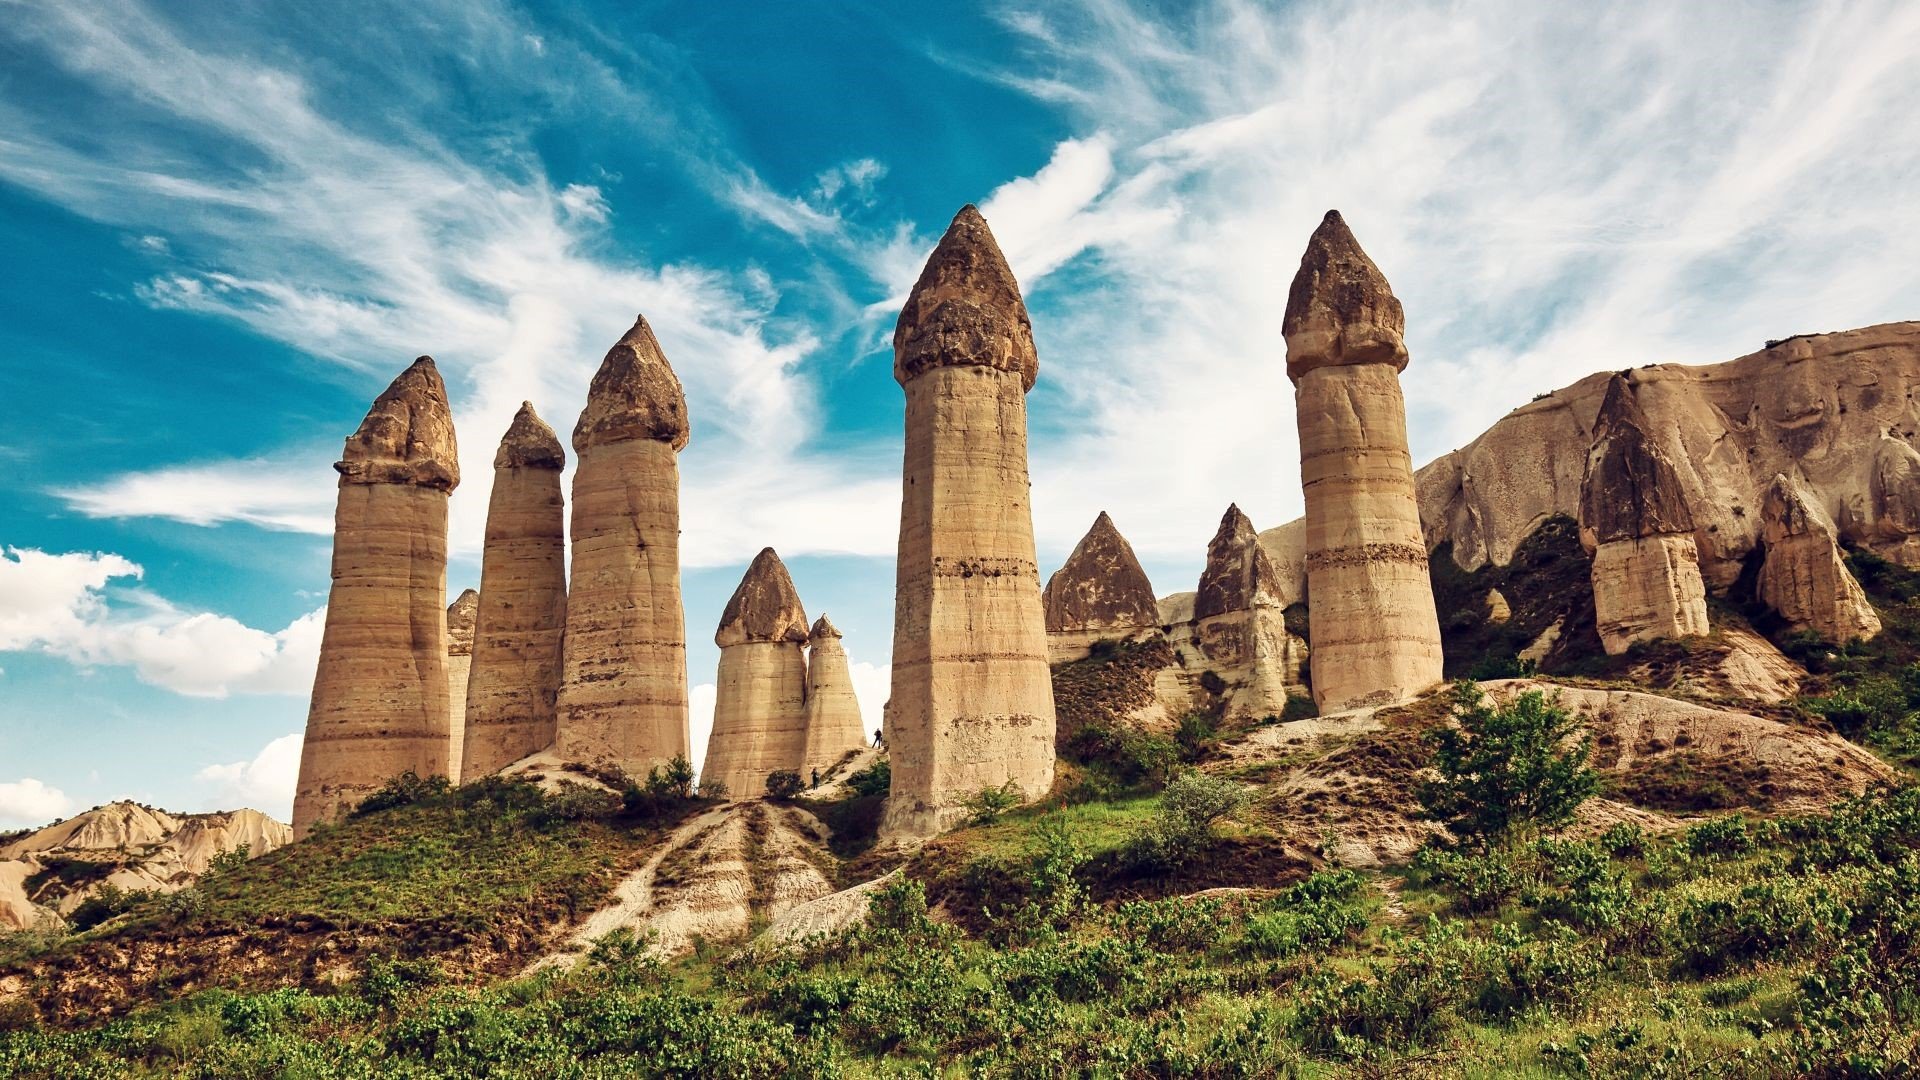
(1182, 825)
(784, 784)
(404, 790)
(1196, 736)
(985, 806)
(714, 788)
(674, 780)
(575, 802)
(875, 779)
(1299, 707)
(1503, 773)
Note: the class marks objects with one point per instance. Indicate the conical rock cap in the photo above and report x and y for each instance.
(823, 628)
(1101, 585)
(1340, 309)
(966, 309)
(1239, 576)
(407, 436)
(462, 616)
(635, 395)
(765, 607)
(529, 443)
(1632, 489)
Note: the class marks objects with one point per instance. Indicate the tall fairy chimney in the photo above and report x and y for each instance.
(760, 693)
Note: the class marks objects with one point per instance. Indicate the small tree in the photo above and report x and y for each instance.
(783, 784)
(985, 806)
(1506, 773)
(674, 781)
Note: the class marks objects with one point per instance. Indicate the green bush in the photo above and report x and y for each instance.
(404, 790)
(784, 784)
(984, 807)
(875, 779)
(1506, 773)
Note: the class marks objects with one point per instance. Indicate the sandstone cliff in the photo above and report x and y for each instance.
(462, 615)
(1803, 578)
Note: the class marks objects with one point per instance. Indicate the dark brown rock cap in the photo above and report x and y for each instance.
(1340, 309)
(1631, 490)
(407, 436)
(823, 628)
(635, 395)
(966, 309)
(1239, 576)
(529, 443)
(462, 615)
(765, 607)
(1101, 586)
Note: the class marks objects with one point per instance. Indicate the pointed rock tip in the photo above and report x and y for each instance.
(824, 628)
(1238, 575)
(464, 609)
(529, 443)
(1340, 309)
(407, 435)
(1101, 586)
(966, 309)
(635, 395)
(765, 606)
(1631, 490)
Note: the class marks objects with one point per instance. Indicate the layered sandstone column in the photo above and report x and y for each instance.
(1804, 578)
(760, 694)
(972, 702)
(834, 724)
(1240, 623)
(1099, 594)
(1370, 612)
(461, 617)
(1634, 518)
(514, 691)
(623, 686)
(379, 704)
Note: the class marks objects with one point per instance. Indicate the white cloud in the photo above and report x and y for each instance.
(61, 605)
(872, 686)
(700, 702)
(28, 802)
(283, 494)
(264, 782)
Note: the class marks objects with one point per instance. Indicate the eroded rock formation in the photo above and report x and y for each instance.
(972, 701)
(623, 688)
(760, 699)
(1634, 517)
(514, 689)
(834, 724)
(1099, 594)
(461, 617)
(1239, 623)
(379, 704)
(1371, 619)
(1804, 578)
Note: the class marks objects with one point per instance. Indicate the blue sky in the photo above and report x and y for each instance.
(228, 226)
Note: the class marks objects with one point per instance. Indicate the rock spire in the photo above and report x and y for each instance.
(1099, 594)
(462, 615)
(514, 689)
(1804, 577)
(1375, 633)
(623, 688)
(834, 723)
(760, 699)
(1239, 622)
(972, 701)
(380, 705)
(1633, 513)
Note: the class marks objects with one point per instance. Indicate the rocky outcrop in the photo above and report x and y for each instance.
(623, 687)
(1375, 634)
(1837, 411)
(1099, 594)
(462, 614)
(1239, 625)
(760, 699)
(835, 726)
(1804, 579)
(514, 689)
(1634, 517)
(972, 702)
(379, 704)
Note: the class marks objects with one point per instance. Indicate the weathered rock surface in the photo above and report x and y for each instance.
(462, 615)
(1646, 567)
(1099, 594)
(379, 703)
(1375, 634)
(1804, 578)
(1239, 627)
(514, 688)
(623, 689)
(760, 700)
(835, 726)
(972, 702)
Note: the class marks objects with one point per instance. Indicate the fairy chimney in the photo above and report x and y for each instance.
(1239, 622)
(1099, 594)
(834, 724)
(972, 701)
(1634, 518)
(514, 688)
(1804, 577)
(380, 705)
(760, 694)
(623, 684)
(462, 614)
(1371, 618)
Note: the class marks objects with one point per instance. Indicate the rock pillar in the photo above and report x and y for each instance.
(379, 704)
(760, 694)
(1371, 619)
(461, 616)
(514, 691)
(1239, 622)
(1804, 578)
(834, 723)
(1099, 594)
(623, 686)
(972, 701)
(1634, 518)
